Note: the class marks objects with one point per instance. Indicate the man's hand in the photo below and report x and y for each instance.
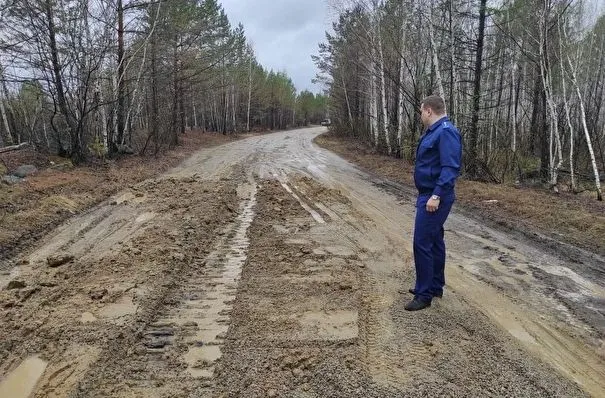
(432, 205)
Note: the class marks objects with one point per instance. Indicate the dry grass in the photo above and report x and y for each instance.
(575, 219)
(30, 208)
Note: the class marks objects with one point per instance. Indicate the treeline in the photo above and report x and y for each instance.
(84, 78)
(523, 80)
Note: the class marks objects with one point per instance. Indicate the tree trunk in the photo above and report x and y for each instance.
(6, 125)
(195, 125)
(555, 153)
(373, 100)
(477, 93)
(233, 109)
(103, 114)
(249, 95)
(154, 97)
(383, 97)
(344, 87)
(435, 54)
(9, 138)
(453, 89)
(181, 107)
(76, 146)
(400, 90)
(14, 147)
(46, 135)
(174, 140)
(543, 137)
(513, 105)
(121, 89)
(593, 162)
(567, 112)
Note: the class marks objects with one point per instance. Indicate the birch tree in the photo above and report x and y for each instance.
(503, 69)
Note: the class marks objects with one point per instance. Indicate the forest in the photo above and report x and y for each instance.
(523, 80)
(98, 78)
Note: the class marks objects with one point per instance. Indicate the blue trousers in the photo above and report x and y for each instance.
(429, 248)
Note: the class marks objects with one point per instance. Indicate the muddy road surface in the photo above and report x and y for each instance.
(269, 267)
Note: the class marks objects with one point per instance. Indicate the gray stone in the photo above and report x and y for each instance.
(10, 180)
(125, 149)
(58, 260)
(25, 170)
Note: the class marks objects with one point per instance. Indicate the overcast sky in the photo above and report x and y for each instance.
(284, 33)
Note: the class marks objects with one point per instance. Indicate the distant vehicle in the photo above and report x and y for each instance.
(326, 122)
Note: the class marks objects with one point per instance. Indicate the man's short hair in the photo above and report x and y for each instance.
(434, 102)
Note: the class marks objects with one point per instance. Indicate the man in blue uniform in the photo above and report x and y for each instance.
(438, 160)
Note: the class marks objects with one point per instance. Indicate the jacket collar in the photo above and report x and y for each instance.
(437, 124)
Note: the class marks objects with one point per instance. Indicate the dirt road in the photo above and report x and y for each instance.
(269, 267)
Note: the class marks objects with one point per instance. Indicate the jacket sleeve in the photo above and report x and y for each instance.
(450, 156)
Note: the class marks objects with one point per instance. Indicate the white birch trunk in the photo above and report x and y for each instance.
(400, 105)
(383, 97)
(249, 95)
(114, 113)
(593, 160)
(46, 135)
(9, 138)
(492, 126)
(554, 142)
(194, 115)
(213, 113)
(103, 113)
(512, 96)
(589, 144)
(434, 53)
(373, 100)
(6, 125)
(454, 105)
(523, 99)
(344, 88)
(567, 112)
(203, 118)
(234, 117)
(514, 112)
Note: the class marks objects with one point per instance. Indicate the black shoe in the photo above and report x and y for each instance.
(439, 295)
(417, 304)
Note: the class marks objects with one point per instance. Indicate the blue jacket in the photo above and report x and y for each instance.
(438, 159)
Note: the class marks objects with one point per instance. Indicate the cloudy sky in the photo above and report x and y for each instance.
(284, 33)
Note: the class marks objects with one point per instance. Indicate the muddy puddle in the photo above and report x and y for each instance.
(119, 311)
(21, 382)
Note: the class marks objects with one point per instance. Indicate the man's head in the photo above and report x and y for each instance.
(432, 108)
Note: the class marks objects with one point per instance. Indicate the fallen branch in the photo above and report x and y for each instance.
(14, 147)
